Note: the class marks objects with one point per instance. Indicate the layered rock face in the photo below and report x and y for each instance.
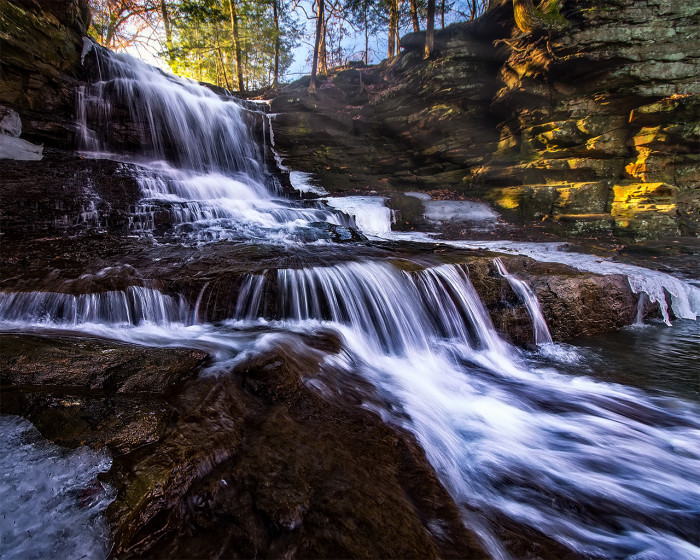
(592, 127)
(41, 45)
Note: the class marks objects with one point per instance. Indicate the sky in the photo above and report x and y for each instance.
(301, 65)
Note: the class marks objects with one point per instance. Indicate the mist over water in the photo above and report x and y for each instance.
(539, 443)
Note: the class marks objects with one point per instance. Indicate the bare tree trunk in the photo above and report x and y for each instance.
(393, 17)
(366, 38)
(168, 31)
(322, 51)
(236, 45)
(430, 30)
(276, 15)
(317, 43)
(397, 34)
(414, 15)
(223, 67)
(111, 30)
(442, 14)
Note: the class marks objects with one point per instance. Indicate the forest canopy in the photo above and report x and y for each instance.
(246, 45)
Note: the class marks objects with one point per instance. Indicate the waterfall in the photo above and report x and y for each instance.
(522, 446)
(370, 213)
(202, 173)
(539, 325)
(128, 307)
(684, 296)
(397, 312)
(605, 470)
(165, 118)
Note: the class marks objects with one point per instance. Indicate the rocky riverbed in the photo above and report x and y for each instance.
(273, 377)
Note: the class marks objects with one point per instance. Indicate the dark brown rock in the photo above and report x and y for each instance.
(576, 303)
(41, 45)
(91, 391)
(287, 476)
(204, 468)
(94, 364)
(66, 194)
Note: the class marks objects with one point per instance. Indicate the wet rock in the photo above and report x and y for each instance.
(41, 45)
(91, 391)
(224, 466)
(94, 364)
(287, 476)
(66, 194)
(276, 375)
(576, 303)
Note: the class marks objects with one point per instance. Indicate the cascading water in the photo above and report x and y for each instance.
(199, 161)
(128, 307)
(524, 292)
(605, 470)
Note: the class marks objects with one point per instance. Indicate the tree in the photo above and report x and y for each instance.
(249, 41)
(236, 44)
(367, 16)
(320, 24)
(278, 44)
(414, 15)
(392, 48)
(168, 31)
(119, 24)
(430, 30)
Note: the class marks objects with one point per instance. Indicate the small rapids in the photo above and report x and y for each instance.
(50, 499)
(524, 292)
(684, 296)
(603, 469)
(128, 307)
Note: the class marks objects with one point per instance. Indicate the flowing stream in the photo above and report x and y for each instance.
(606, 469)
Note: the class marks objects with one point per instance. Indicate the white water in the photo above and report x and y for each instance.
(302, 182)
(685, 297)
(201, 165)
(372, 216)
(539, 325)
(601, 468)
(129, 307)
(605, 470)
(51, 503)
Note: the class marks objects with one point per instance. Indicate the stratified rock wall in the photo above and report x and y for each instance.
(599, 127)
(40, 49)
(592, 127)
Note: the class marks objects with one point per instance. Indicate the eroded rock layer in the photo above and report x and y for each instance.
(591, 126)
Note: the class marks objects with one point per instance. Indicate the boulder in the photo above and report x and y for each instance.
(207, 466)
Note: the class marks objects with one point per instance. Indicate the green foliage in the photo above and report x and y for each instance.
(196, 37)
(203, 46)
(549, 12)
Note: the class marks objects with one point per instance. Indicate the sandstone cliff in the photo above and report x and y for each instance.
(592, 127)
